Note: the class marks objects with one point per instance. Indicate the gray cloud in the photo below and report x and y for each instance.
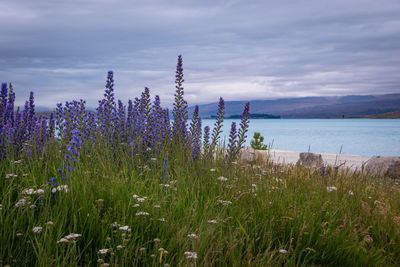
(235, 49)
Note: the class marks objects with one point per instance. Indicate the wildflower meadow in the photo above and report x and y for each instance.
(126, 185)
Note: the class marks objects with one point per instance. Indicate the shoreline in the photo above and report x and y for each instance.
(285, 157)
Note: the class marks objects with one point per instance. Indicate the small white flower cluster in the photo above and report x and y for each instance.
(103, 251)
(283, 251)
(212, 221)
(190, 255)
(22, 202)
(1, 207)
(37, 229)
(17, 161)
(139, 199)
(125, 228)
(331, 188)
(60, 188)
(253, 188)
(351, 193)
(115, 224)
(69, 238)
(11, 175)
(193, 236)
(163, 251)
(225, 202)
(142, 213)
(31, 191)
(222, 179)
(212, 170)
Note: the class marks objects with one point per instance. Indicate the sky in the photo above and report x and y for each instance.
(240, 50)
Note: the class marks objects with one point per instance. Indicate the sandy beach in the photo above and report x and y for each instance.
(284, 157)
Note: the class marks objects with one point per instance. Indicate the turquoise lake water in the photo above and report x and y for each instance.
(365, 137)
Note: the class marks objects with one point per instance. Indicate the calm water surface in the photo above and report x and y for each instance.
(366, 137)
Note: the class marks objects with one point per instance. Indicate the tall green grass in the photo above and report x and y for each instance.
(262, 215)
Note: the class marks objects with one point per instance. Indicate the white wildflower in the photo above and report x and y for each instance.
(54, 190)
(103, 251)
(32, 206)
(22, 202)
(190, 255)
(72, 236)
(222, 179)
(37, 229)
(115, 224)
(62, 240)
(212, 221)
(17, 161)
(153, 159)
(49, 223)
(125, 228)
(212, 170)
(62, 188)
(224, 202)
(136, 205)
(19, 234)
(142, 213)
(331, 188)
(135, 196)
(119, 247)
(163, 251)
(39, 192)
(28, 191)
(351, 193)
(283, 251)
(157, 206)
(157, 240)
(11, 175)
(140, 199)
(193, 236)
(1, 207)
(161, 219)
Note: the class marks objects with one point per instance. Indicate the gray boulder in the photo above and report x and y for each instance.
(247, 154)
(310, 160)
(384, 166)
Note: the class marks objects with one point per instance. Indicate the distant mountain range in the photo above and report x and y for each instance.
(351, 106)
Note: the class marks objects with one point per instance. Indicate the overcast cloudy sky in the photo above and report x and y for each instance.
(240, 50)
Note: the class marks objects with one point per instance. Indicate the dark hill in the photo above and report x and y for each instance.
(352, 106)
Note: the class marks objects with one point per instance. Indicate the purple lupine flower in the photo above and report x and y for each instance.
(217, 128)
(231, 153)
(179, 112)
(165, 175)
(244, 125)
(206, 141)
(3, 99)
(51, 131)
(195, 133)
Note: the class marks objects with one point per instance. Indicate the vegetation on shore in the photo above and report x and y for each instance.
(125, 188)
